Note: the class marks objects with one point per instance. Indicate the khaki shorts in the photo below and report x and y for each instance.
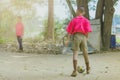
(79, 42)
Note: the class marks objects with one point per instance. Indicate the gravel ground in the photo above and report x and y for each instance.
(22, 66)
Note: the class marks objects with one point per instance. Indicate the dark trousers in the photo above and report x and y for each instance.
(19, 38)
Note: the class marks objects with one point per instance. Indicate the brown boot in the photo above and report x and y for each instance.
(87, 68)
(74, 73)
(85, 54)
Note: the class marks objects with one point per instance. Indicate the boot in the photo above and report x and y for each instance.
(87, 68)
(74, 73)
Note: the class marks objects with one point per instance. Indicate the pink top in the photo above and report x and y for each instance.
(19, 29)
(79, 24)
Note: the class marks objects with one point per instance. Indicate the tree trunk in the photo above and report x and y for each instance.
(108, 17)
(50, 29)
(71, 8)
(104, 12)
(100, 14)
(100, 9)
(83, 3)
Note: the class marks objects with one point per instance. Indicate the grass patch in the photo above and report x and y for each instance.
(118, 40)
(2, 41)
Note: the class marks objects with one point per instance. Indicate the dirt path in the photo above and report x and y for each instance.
(21, 66)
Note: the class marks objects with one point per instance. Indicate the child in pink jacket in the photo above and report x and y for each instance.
(79, 27)
(19, 32)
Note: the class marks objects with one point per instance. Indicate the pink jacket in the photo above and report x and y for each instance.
(79, 24)
(19, 29)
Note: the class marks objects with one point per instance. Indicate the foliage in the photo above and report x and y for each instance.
(115, 2)
(1, 41)
(10, 10)
(25, 4)
(24, 7)
(44, 32)
(118, 40)
(7, 24)
(59, 28)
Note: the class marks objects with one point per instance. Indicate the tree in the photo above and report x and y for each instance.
(107, 25)
(25, 7)
(100, 15)
(71, 8)
(104, 12)
(83, 3)
(50, 27)
(12, 8)
(6, 24)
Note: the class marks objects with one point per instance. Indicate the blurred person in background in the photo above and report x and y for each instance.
(19, 32)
